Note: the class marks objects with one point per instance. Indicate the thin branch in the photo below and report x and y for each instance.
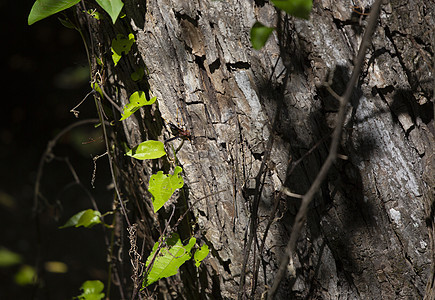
(49, 153)
(112, 171)
(308, 197)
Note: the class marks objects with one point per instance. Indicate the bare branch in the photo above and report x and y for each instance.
(308, 197)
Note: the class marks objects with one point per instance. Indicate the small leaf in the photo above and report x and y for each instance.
(259, 35)
(67, 23)
(42, 9)
(298, 8)
(162, 186)
(137, 100)
(92, 290)
(137, 75)
(25, 276)
(147, 150)
(112, 7)
(97, 88)
(121, 44)
(168, 260)
(8, 258)
(200, 254)
(86, 218)
(95, 14)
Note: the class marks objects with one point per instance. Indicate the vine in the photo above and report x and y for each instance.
(169, 252)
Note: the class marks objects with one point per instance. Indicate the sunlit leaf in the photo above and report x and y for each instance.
(92, 290)
(97, 88)
(120, 45)
(42, 9)
(8, 258)
(148, 150)
(200, 254)
(259, 35)
(86, 218)
(95, 14)
(297, 8)
(169, 259)
(137, 100)
(112, 7)
(162, 186)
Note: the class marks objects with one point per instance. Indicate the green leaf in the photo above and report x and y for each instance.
(200, 254)
(162, 186)
(25, 276)
(112, 7)
(95, 14)
(297, 8)
(137, 100)
(121, 44)
(259, 35)
(8, 258)
(42, 9)
(92, 290)
(170, 258)
(147, 150)
(97, 88)
(86, 218)
(137, 75)
(67, 23)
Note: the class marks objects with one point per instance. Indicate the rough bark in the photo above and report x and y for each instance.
(253, 114)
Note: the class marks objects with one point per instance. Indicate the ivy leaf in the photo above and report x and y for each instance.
(162, 186)
(92, 290)
(200, 254)
(169, 259)
(112, 7)
(137, 100)
(147, 150)
(298, 8)
(121, 44)
(86, 218)
(42, 9)
(259, 35)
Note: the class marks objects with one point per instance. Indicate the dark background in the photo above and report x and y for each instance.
(45, 74)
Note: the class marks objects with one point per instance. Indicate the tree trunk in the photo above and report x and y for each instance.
(261, 121)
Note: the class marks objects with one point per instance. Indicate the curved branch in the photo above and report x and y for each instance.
(308, 197)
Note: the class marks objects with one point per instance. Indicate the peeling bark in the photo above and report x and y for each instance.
(370, 231)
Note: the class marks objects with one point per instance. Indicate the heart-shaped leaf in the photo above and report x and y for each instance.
(148, 150)
(162, 186)
(168, 260)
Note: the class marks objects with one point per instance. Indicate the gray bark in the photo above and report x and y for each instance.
(252, 114)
